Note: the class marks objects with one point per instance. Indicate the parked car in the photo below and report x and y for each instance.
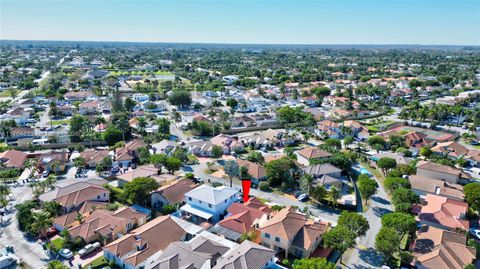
(303, 197)
(88, 249)
(475, 232)
(46, 173)
(66, 253)
(51, 232)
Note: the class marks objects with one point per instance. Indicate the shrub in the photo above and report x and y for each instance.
(264, 186)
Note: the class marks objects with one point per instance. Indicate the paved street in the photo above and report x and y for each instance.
(365, 255)
(29, 250)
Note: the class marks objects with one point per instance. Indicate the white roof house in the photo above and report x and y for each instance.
(212, 195)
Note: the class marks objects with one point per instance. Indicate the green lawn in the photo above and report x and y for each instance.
(60, 122)
(99, 262)
(58, 243)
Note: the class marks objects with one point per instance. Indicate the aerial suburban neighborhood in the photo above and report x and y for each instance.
(266, 134)
(134, 157)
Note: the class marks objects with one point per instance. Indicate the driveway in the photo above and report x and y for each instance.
(28, 250)
(365, 255)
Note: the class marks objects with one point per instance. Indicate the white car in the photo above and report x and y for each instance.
(475, 232)
(66, 253)
(88, 249)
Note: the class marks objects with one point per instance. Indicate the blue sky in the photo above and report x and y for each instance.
(245, 21)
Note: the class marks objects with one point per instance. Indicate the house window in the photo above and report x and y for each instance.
(98, 196)
(209, 205)
(267, 235)
(277, 239)
(225, 201)
(189, 198)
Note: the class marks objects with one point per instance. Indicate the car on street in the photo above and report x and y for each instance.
(303, 197)
(475, 232)
(66, 253)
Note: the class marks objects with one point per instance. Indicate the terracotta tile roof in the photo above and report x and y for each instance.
(77, 197)
(440, 249)
(141, 171)
(290, 225)
(175, 192)
(313, 153)
(254, 169)
(93, 156)
(103, 222)
(451, 148)
(13, 158)
(444, 211)
(241, 218)
(141, 243)
(438, 168)
(436, 186)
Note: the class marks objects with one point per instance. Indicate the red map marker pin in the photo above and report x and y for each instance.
(246, 184)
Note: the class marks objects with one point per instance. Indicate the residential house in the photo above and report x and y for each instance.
(308, 154)
(77, 96)
(200, 148)
(243, 121)
(329, 128)
(93, 156)
(443, 172)
(148, 170)
(71, 195)
(105, 225)
(256, 171)
(70, 219)
(247, 255)
(13, 159)
(439, 249)
(325, 174)
(53, 161)
(208, 204)
(356, 129)
(417, 140)
(203, 251)
(173, 193)
(444, 213)
(89, 107)
(424, 185)
(229, 144)
(292, 233)
(450, 149)
(267, 139)
(398, 157)
(132, 250)
(242, 219)
(128, 153)
(164, 147)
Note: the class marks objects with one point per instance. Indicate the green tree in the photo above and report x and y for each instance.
(393, 183)
(56, 264)
(279, 171)
(138, 190)
(232, 170)
(386, 163)
(402, 222)
(256, 157)
(306, 183)
(355, 222)
(348, 140)
(333, 195)
(217, 151)
(112, 135)
(143, 155)
(180, 98)
(339, 238)
(472, 195)
(158, 160)
(403, 199)
(313, 263)
(129, 104)
(42, 220)
(173, 164)
(367, 187)
(426, 152)
(387, 242)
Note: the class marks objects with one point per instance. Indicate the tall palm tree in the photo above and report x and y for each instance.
(333, 195)
(41, 222)
(142, 124)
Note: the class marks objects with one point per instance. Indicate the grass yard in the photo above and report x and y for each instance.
(60, 122)
(58, 242)
(99, 262)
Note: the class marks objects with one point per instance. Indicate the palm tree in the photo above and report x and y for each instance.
(142, 124)
(333, 195)
(41, 222)
(79, 218)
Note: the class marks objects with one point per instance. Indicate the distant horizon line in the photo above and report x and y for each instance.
(238, 43)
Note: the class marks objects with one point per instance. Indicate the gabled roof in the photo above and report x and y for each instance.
(287, 224)
(13, 158)
(436, 186)
(440, 249)
(439, 168)
(313, 153)
(444, 211)
(321, 169)
(75, 193)
(141, 243)
(241, 218)
(175, 192)
(247, 255)
(254, 169)
(212, 195)
(451, 148)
